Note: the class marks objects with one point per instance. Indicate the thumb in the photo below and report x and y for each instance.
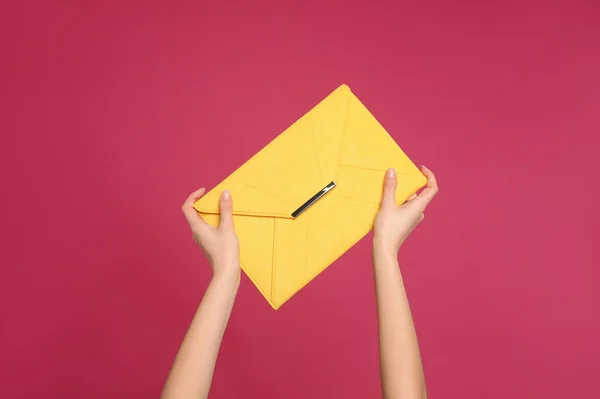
(226, 210)
(389, 189)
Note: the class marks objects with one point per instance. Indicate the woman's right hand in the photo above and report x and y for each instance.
(395, 223)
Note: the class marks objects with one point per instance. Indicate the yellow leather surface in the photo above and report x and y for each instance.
(338, 140)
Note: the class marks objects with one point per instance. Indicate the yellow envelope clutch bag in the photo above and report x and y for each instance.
(311, 194)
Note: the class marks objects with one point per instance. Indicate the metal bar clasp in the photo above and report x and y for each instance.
(313, 199)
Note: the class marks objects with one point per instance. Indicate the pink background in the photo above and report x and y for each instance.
(113, 111)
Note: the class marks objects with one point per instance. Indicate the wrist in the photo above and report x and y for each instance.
(385, 261)
(382, 248)
(230, 277)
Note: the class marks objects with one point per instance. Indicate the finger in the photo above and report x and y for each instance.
(226, 209)
(389, 189)
(429, 192)
(412, 197)
(188, 206)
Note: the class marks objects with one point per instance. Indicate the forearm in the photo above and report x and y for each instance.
(194, 365)
(400, 360)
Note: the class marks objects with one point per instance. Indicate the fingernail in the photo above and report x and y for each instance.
(391, 172)
(226, 195)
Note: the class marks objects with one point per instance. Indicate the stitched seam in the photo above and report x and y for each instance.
(359, 200)
(245, 213)
(261, 190)
(342, 135)
(273, 261)
(373, 169)
(314, 139)
(306, 253)
(337, 255)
